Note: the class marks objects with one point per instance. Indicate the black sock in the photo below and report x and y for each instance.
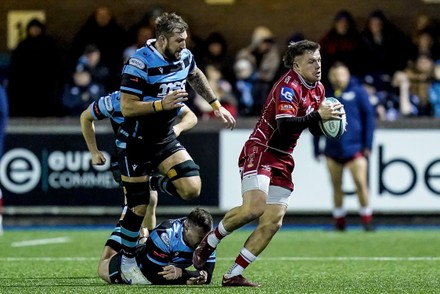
(130, 226)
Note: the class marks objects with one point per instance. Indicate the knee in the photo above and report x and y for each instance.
(189, 192)
(140, 210)
(188, 188)
(252, 212)
(137, 196)
(270, 228)
(103, 270)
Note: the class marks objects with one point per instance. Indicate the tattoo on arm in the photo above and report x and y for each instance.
(200, 84)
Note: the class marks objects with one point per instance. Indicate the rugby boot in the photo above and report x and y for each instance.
(339, 224)
(202, 252)
(131, 273)
(237, 281)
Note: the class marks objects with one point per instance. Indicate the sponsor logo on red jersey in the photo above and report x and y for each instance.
(285, 106)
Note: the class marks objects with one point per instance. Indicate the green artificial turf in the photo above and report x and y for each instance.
(386, 261)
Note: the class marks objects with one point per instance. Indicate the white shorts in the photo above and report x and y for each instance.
(275, 194)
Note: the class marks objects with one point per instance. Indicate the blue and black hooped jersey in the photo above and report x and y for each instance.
(166, 245)
(147, 74)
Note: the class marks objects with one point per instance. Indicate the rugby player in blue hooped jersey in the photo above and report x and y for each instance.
(152, 92)
(166, 254)
(109, 107)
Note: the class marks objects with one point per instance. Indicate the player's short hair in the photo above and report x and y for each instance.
(297, 49)
(169, 23)
(338, 64)
(201, 218)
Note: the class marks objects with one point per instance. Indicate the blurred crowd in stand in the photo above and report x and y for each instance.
(400, 71)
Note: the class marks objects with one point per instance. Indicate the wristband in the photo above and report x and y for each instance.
(157, 106)
(215, 104)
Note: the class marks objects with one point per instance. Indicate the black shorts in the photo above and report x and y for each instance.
(140, 158)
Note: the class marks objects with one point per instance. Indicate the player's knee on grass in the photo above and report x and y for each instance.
(113, 271)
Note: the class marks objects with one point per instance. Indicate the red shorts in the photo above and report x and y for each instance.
(256, 159)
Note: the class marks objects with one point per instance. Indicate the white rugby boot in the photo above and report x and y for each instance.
(131, 273)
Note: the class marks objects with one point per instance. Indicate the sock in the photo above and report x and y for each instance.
(130, 226)
(339, 212)
(366, 214)
(242, 261)
(219, 233)
(339, 218)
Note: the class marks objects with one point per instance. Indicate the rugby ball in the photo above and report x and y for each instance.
(333, 128)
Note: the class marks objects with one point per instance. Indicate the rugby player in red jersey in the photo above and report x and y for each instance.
(266, 163)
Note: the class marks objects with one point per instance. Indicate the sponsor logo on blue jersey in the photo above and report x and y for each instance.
(165, 239)
(108, 103)
(137, 63)
(287, 94)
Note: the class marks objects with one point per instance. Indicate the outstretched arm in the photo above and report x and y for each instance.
(88, 131)
(188, 120)
(200, 84)
(175, 275)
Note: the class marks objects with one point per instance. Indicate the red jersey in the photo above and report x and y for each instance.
(291, 96)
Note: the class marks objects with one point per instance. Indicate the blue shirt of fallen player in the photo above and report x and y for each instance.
(360, 124)
(165, 246)
(149, 75)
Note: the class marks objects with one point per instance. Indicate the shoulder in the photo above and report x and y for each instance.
(138, 59)
(286, 87)
(187, 53)
(187, 57)
(320, 88)
(144, 56)
(357, 87)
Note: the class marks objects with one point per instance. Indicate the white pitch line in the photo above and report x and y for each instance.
(51, 259)
(37, 242)
(311, 258)
(354, 258)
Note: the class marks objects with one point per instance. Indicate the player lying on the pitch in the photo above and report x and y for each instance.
(165, 256)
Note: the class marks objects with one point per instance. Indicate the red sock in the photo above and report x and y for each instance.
(217, 234)
(241, 261)
(366, 218)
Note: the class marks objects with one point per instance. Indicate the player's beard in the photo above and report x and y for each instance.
(170, 56)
